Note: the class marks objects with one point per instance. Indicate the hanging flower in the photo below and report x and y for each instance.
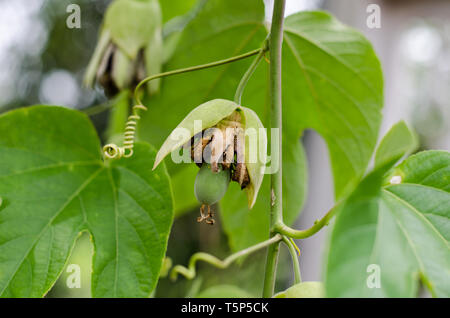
(228, 142)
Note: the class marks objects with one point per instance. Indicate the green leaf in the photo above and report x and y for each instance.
(224, 291)
(333, 84)
(174, 8)
(54, 185)
(399, 231)
(399, 141)
(303, 290)
(132, 24)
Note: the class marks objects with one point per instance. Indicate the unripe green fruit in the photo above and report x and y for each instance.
(210, 187)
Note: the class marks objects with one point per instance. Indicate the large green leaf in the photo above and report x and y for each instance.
(400, 231)
(54, 185)
(174, 8)
(333, 83)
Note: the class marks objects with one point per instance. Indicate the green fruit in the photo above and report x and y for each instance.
(210, 187)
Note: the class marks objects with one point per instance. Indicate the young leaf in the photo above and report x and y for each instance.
(399, 141)
(303, 290)
(398, 234)
(54, 185)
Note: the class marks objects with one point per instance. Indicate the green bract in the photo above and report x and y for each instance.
(130, 46)
(214, 114)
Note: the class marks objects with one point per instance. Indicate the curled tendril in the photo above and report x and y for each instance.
(190, 271)
(113, 151)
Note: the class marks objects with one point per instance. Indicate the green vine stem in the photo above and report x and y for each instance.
(193, 68)
(276, 212)
(295, 263)
(301, 234)
(249, 73)
(190, 271)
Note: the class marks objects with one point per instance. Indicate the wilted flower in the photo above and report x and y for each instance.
(226, 143)
(129, 47)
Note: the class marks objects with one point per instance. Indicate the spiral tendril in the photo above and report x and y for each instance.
(113, 151)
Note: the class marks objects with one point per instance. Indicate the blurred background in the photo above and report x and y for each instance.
(42, 62)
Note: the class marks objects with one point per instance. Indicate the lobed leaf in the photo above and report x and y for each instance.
(54, 185)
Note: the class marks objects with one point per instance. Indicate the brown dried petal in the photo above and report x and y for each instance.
(240, 175)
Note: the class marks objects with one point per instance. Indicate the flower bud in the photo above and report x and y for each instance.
(129, 48)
